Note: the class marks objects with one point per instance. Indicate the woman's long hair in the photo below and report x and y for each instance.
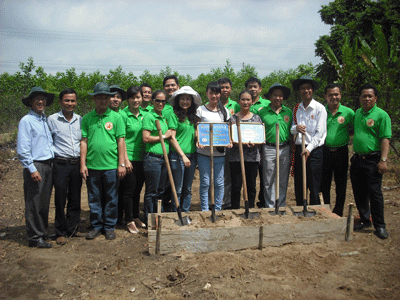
(182, 115)
(214, 86)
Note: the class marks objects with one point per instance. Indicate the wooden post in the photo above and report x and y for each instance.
(158, 236)
(348, 225)
(261, 237)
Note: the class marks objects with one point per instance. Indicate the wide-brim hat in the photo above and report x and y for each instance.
(305, 79)
(102, 88)
(186, 90)
(277, 86)
(36, 91)
(116, 88)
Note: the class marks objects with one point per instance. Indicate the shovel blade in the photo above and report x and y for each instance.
(186, 221)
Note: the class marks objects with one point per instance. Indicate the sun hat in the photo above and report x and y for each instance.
(116, 88)
(102, 88)
(186, 90)
(35, 91)
(278, 86)
(305, 79)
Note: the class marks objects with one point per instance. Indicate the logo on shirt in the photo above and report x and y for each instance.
(370, 122)
(109, 126)
(286, 118)
(341, 120)
(312, 117)
(232, 112)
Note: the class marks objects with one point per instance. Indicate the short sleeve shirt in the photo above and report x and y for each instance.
(270, 118)
(232, 106)
(149, 123)
(102, 132)
(369, 130)
(259, 105)
(133, 140)
(185, 133)
(339, 126)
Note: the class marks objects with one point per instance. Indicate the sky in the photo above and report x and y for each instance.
(191, 37)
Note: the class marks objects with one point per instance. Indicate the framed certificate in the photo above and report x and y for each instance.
(221, 134)
(251, 133)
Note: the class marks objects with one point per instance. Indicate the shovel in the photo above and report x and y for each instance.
(306, 213)
(185, 220)
(246, 214)
(276, 211)
(213, 217)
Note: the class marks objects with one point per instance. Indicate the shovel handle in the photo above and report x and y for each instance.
(277, 162)
(242, 162)
(171, 179)
(303, 161)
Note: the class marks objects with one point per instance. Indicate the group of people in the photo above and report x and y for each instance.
(117, 150)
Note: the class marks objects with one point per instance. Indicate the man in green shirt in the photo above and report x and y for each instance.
(253, 85)
(147, 90)
(233, 107)
(276, 113)
(102, 161)
(340, 123)
(117, 98)
(170, 86)
(372, 131)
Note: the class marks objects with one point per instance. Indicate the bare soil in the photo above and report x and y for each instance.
(364, 268)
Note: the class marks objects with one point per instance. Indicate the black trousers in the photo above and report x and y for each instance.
(251, 169)
(37, 200)
(336, 162)
(367, 188)
(67, 184)
(131, 186)
(314, 175)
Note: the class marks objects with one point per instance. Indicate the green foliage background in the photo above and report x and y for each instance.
(14, 87)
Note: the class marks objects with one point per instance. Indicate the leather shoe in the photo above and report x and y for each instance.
(110, 235)
(381, 233)
(361, 226)
(39, 243)
(93, 234)
(78, 234)
(61, 240)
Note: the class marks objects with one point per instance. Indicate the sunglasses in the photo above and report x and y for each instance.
(158, 101)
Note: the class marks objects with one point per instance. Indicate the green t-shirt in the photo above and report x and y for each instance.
(102, 133)
(259, 105)
(185, 133)
(369, 130)
(147, 109)
(167, 110)
(232, 106)
(149, 123)
(133, 140)
(270, 118)
(339, 126)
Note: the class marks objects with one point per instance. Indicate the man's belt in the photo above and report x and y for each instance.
(371, 155)
(335, 149)
(280, 145)
(65, 160)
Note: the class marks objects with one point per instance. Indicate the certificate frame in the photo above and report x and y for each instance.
(251, 133)
(221, 134)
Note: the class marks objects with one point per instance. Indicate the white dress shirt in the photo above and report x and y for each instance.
(314, 118)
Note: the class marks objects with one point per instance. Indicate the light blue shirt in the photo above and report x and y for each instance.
(66, 134)
(34, 140)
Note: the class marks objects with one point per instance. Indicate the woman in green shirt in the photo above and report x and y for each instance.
(155, 171)
(133, 182)
(183, 158)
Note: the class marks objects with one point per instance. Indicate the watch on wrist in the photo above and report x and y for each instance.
(163, 136)
(384, 159)
(122, 165)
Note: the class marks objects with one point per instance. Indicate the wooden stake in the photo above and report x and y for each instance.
(158, 236)
(349, 222)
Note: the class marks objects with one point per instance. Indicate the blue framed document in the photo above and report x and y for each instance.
(221, 134)
(251, 133)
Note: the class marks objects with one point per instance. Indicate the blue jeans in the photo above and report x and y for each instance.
(155, 176)
(102, 187)
(183, 179)
(204, 169)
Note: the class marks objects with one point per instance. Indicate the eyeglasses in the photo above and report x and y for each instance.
(160, 101)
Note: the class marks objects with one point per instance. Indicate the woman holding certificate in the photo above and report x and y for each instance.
(212, 112)
(251, 154)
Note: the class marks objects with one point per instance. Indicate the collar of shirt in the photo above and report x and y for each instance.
(61, 115)
(368, 112)
(312, 105)
(339, 111)
(105, 114)
(41, 117)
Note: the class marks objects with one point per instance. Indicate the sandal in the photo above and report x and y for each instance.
(139, 223)
(131, 226)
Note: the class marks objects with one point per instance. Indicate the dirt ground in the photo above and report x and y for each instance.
(364, 268)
